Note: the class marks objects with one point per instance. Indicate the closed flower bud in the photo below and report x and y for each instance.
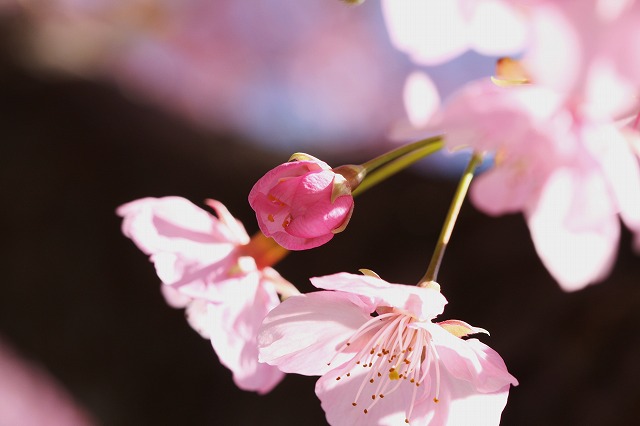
(302, 203)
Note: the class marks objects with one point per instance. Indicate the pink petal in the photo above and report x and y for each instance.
(421, 98)
(497, 29)
(271, 277)
(233, 328)
(620, 167)
(486, 117)
(291, 242)
(173, 224)
(236, 233)
(575, 229)
(425, 303)
(430, 32)
(321, 218)
(337, 398)
(30, 396)
(313, 214)
(304, 333)
(199, 318)
(189, 247)
(174, 297)
(434, 32)
(470, 360)
(497, 192)
(461, 404)
(283, 171)
(625, 43)
(556, 56)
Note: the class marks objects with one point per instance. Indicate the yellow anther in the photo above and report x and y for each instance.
(393, 375)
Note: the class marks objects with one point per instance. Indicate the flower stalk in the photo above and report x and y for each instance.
(392, 162)
(443, 240)
(266, 251)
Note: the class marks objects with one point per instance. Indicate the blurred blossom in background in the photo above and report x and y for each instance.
(283, 72)
(286, 73)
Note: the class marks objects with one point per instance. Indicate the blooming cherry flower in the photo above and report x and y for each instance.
(204, 266)
(382, 359)
(572, 174)
(302, 203)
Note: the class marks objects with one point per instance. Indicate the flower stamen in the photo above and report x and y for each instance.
(392, 341)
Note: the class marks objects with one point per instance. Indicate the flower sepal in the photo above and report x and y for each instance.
(460, 328)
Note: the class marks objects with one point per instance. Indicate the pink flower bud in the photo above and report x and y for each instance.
(302, 204)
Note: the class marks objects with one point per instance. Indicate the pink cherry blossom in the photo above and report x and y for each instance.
(587, 50)
(302, 204)
(436, 31)
(571, 174)
(202, 263)
(392, 368)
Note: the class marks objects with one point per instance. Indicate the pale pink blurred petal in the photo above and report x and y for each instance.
(486, 117)
(421, 98)
(199, 318)
(436, 31)
(174, 297)
(586, 51)
(607, 94)
(499, 190)
(625, 45)
(498, 28)
(577, 250)
(29, 396)
(430, 32)
(620, 169)
(556, 55)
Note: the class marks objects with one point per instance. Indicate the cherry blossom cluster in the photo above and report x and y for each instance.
(560, 126)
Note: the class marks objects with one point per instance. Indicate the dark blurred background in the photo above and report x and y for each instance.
(80, 302)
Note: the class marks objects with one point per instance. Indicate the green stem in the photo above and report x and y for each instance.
(385, 158)
(386, 165)
(450, 221)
